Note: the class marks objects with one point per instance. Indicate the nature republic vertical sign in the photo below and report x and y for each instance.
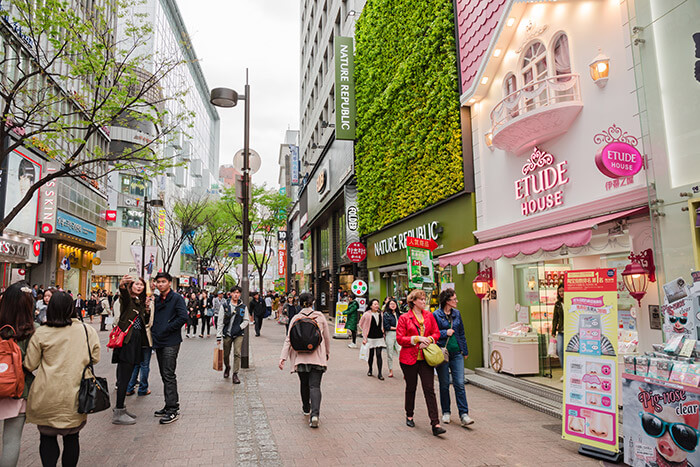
(344, 89)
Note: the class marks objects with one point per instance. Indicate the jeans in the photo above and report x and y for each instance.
(11, 440)
(410, 375)
(310, 383)
(392, 348)
(455, 366)
(560, 348)
(258, 323)
(237, 344)
(144, 368)
(167, 361)
(206, 323)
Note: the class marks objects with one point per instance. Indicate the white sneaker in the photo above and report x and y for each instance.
(467, 420)
(313, 423)
(446, 418)
(352, 346)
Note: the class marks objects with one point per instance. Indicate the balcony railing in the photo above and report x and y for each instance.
(556, 101)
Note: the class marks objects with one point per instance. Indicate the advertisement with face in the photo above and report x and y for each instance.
(660, 423)
(590, 358)
(23, 170)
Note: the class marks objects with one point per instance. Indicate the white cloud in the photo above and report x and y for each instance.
(263, 35)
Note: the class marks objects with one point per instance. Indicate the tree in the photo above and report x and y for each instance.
(180, 217)
(67, 77)
(268, 213)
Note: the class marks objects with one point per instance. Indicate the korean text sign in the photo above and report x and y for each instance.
(590, 358)
(420, 262)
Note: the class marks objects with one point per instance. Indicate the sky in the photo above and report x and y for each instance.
(263, 35)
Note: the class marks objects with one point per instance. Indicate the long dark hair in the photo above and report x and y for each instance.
(17, 310)
(142, 295)
(60, 310)
(389, 310)
(560, 299)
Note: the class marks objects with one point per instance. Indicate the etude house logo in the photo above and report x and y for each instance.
(619, 158)
(538, 187)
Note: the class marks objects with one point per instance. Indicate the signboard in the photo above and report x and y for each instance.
(21, 170)
(359, 288)
(47, 200)
(161, 221)
(540, 189)
(76, 227)
(590, 358)
(282, 262)
(356, 252)
(340, 319)
(110, 216)
(362, 302)
(352, 224)
(619, 158)
(294, 151)
(344, 88)
(419, 254)
(151, 258)
(429, 230)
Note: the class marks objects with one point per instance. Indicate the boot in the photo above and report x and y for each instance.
(120, 417)
(130, 414)
(235, 379)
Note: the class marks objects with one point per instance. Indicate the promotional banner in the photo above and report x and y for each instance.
(419, 254)
(340, 320)
(22, 170)
(344, 88)
(150, 264)
(590, 358)
(48, 194)
(660, 423)
(294, 151)
(161, 221)
(282, 262)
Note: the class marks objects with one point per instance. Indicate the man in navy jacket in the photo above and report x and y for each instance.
(169, 317)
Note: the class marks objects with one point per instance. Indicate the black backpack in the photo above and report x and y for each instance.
(305, 335)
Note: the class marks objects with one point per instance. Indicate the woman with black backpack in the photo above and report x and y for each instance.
(308, 346)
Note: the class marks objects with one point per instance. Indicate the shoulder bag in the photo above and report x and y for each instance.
(93, 395)
(434, 355)
(117, 336)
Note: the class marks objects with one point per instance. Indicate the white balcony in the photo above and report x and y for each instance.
(536, 113)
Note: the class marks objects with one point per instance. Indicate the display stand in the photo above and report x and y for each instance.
(602, 454)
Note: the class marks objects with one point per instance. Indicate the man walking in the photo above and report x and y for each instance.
(233, 319)
(268, 305)
(169, 317)
(79, 306)
(257, 306)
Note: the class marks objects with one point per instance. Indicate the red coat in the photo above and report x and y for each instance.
(406, 328)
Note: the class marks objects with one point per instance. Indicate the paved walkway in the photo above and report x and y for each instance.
(260, 422)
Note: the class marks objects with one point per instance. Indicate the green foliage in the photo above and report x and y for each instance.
(409, 150)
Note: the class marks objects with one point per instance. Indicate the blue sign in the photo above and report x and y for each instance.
(294, 150)
(234, 254)
(186, 249)
(76, 227)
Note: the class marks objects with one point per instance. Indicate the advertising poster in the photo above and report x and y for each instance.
(420, 262)
(660, 423)
(22, 172)
(340, 320)
(149, 264)
(590, 358)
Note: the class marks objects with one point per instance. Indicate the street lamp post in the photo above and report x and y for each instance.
(155, 203)
(224, 97)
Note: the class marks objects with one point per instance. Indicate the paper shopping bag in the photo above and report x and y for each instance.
(218, 358)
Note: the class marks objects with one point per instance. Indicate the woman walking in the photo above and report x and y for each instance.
(134, 315)
(309, 366)
(372, 327)
(92, 305)
(415, 331)
(40, 313)
(352, 313)
(452, 338)
(558, 325)
(193, 309)
(391, 317)
(59, 351)
(205, 305)
(17, 313)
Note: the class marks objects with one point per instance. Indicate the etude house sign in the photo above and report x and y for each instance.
(619, 158)
(428, 231)
(541, 187)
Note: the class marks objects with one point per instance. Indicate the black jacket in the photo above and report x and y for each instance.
(170, 315)
(257, 307)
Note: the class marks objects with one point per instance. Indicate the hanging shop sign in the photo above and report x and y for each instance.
(76, 227)
(419, 257)
(428, 231)
(344, 88)
(47, 201)
(359, 287)
(541, 187)
(590, 358)
(619, 158)
(161, 221)
(282, 262)
(356, 252)
(352, 224)
(294, 153)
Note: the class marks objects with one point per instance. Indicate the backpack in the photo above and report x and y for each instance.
(305, 335)
(11, 372)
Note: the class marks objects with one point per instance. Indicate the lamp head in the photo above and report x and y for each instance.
(156, 203)
(223, 97)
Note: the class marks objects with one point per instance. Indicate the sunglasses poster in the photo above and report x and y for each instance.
(679, 318)
(660, 423)
(590, 358)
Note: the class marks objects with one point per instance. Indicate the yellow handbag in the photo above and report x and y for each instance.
(433, 355)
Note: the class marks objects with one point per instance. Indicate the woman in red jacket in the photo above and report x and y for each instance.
(415, 331)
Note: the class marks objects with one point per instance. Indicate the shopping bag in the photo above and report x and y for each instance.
(218, 358)
(552, 347)
(364, 352)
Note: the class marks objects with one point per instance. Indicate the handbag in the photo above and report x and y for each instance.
(116, 337)
(434, 355)
(93, 395)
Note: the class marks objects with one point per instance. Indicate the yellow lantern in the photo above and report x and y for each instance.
(600, 68)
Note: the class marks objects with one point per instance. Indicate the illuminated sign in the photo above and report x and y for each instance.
(539, 188)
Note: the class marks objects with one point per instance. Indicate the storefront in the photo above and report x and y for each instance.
(449, 223)
(18, 253)
(560, 184)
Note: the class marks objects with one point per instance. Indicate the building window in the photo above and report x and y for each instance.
(132, 218)
(534, 68)
(562, 58)
(510, 85)
(132, 185)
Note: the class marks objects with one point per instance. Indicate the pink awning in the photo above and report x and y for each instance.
(573, 235)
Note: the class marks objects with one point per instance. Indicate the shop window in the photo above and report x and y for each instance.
(534, 69)
(132, 218)
(325, 248)
(536, 292)
(342, 235)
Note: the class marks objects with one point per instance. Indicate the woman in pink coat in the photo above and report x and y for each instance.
(309, 366)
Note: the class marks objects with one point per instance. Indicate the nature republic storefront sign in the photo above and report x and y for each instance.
(394, 243)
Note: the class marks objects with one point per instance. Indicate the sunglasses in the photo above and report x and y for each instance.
(673, 319)
(685, 436)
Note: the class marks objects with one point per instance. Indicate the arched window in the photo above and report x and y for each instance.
(534, 68)
(510, 85)
(562, 58)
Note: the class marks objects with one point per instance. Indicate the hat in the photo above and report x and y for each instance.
(164, 275)
(220, 292)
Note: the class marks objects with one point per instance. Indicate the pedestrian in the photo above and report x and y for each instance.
(309, 366)
(104, 308)
(139, 376)
(558, 325)
(257, 307)
(290, 309)
(17, 313)
(372, 325)
(233, 320)
(40, 313)
(92, 306)
(169, 317)
(134, 316)
(452, 338)
(80, 307)
(352, 313)
(416, 330)
(193, 312)
(59, 352)
(391, 317)
(207, 306)
(268, 305)
(276, 307)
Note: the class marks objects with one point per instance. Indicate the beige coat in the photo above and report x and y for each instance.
(58, 355)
